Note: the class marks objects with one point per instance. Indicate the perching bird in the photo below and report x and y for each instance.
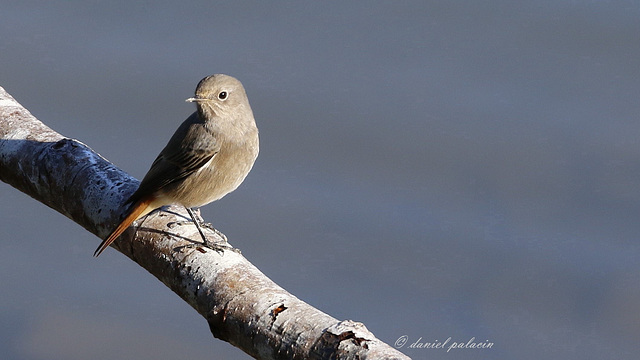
(206, 158)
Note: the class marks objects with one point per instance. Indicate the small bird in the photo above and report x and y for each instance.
(208, 157)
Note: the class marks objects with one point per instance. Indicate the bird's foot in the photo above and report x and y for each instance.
(218, 246)
(223, 244)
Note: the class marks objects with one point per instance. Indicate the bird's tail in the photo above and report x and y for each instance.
(138, 209)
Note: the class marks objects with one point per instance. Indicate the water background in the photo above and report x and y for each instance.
(434, 169)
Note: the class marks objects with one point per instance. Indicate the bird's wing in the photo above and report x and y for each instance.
(190, 148)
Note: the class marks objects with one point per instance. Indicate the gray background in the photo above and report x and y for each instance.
(433, 169)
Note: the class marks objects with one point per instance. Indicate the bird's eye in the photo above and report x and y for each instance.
(223, 95)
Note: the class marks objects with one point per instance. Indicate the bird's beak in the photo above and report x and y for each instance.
(194, 99)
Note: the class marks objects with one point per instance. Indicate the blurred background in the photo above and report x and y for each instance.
(433, 169)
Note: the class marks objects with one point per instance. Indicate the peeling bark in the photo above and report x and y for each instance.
(241, 305)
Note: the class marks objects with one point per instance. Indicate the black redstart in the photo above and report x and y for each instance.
(206, 158)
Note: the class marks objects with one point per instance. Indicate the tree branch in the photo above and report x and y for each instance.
(241, 305)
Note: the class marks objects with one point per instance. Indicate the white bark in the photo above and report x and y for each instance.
(241, 305)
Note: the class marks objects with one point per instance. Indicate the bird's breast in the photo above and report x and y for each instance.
(221, 175)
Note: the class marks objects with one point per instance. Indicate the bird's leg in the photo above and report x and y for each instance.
(197, 221)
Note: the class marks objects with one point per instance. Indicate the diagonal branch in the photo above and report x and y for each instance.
(241, 305)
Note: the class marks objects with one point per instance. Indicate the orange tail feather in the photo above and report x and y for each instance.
(136, 210)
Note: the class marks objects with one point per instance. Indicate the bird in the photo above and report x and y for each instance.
(208, 156)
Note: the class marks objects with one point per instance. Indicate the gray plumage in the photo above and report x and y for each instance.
(207, 157)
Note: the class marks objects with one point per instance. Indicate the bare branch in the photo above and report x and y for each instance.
(241, 305)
